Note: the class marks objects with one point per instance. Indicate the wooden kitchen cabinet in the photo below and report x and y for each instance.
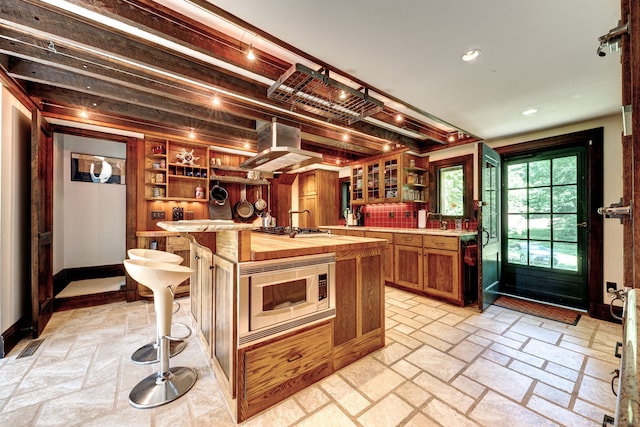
(443, 268)
(274, 370)
(382, 179)
(201, 262)
(408, 260)
(389, 252)
(318, 192)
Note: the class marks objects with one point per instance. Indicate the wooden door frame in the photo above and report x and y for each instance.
(41, 223)
(595, 189)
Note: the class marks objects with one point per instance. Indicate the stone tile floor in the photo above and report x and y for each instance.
(442, 365)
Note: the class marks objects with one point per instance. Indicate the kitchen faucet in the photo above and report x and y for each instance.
(291, 212)
(441, 224)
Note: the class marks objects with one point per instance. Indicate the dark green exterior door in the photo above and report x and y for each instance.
(544, 225)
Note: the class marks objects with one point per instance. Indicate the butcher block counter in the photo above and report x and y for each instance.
(267, 246)
(257, 375)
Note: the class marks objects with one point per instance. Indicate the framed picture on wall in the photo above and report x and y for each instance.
(97, 169)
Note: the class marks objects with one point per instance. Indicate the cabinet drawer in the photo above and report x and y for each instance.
(276, 363)
(408, 239)
(441, 242)
(379, 235)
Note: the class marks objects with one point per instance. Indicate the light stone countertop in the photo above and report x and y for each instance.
(203, 226)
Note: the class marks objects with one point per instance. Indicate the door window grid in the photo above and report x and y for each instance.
(542, 213)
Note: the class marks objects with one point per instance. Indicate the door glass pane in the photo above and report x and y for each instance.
(540, 253)
(566, 256)
(517, 176)
(540, 199)
(490, 220)
(517, 226)
(565, 199)
(565, 170)
(517, 201)
(564, 227)
(517, 252)
(540, 226)
(539, 173)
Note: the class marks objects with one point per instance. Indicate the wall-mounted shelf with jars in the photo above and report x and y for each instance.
(168, 176)
(415, 185)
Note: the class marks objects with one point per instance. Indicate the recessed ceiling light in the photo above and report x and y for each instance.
(529, 111)
(471, 55)
(399, 118)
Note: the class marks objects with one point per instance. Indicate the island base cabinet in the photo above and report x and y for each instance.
(442, 274)
(359, 322)
(272, 371)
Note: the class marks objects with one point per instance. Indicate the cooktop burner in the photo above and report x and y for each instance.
(280, 230)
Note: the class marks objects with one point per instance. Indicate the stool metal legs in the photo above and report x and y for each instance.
(163, 386)
(167, 384)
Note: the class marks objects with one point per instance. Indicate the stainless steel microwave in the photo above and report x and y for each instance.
(281, 295)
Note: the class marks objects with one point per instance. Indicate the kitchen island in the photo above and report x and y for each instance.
(257, 375)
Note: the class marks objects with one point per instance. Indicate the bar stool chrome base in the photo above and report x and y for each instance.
(158, 388)
(148, 353)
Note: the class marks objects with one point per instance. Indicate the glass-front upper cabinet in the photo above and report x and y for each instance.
(391, 178)
(374, 189)
(357, 185)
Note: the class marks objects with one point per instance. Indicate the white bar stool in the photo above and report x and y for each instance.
(167, 384)
(148, 353)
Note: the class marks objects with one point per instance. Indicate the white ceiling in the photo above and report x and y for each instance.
(536, 54)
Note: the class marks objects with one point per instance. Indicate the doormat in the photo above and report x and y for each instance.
(30, 349)
(558, 314)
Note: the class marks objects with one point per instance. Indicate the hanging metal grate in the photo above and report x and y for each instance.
(317, 93)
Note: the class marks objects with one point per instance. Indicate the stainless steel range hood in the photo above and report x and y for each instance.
(279, 150)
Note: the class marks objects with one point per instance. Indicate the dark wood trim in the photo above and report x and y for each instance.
(90, 300)
(132, 201)
(93, 272)
(14, 334)
(603, 312)
(467, 163)
(594, 140)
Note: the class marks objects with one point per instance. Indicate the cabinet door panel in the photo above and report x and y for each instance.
(408, 263)
(441, 273)
(346, 301)
(371, 300)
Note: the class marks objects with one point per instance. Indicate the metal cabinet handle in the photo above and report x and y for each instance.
(617, 375)
(617, 353)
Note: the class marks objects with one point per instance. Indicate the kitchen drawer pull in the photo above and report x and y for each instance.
(617, 353)
(294, 358)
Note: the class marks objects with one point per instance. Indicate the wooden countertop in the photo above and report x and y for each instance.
(268, 246)
(428, 231)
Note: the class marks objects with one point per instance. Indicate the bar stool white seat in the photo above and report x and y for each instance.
(167, 384)
(148, 353)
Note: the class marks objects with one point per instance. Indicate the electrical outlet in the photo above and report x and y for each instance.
(612, 286)
(189, 215)
(157, 214)
(391, 214)
(407, 214)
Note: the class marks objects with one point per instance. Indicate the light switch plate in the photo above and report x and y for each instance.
(157, 214)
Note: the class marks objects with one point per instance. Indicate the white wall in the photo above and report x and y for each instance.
(15, 190)
(89, 220)
(612, 246)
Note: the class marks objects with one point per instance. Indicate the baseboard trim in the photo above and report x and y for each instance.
(12, 336)
(603, 312)
(90, 300)
(62, 278)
